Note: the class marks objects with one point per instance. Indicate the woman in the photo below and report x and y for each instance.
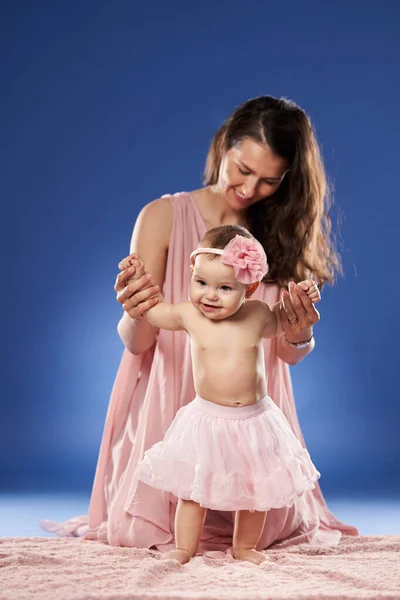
(263, 171)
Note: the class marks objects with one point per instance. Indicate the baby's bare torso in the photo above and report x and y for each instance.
(227, 355)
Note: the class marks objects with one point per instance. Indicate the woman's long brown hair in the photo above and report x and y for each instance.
(293, 224)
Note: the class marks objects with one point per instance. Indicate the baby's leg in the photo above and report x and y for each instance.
(247, 531)
(189, 521)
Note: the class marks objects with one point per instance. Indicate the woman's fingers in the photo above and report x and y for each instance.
(290, 314)
(137, 311)
(141, 296)
(120, 282)
(134, 289)
(286, 312)
(299, 299)
(137, 304)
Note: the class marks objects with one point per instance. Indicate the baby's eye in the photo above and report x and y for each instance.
(201, 282)
(226, 288)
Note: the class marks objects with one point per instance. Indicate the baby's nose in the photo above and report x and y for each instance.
(211, 294)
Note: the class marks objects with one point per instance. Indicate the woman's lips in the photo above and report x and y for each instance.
(240, 198)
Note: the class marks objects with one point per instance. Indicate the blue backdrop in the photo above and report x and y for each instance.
(108, 105)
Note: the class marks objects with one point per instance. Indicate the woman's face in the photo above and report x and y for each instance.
(250, 172)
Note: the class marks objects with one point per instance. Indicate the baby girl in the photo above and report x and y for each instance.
(231, 448)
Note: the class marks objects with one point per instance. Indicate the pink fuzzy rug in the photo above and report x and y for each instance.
(58, 569)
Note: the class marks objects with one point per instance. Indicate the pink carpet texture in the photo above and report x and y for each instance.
(61, 569)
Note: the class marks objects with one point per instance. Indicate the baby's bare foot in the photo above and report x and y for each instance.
(182, 556)
(249, 554)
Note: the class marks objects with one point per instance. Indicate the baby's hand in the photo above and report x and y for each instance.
(127, 262)
(311, 289)
(133, 260)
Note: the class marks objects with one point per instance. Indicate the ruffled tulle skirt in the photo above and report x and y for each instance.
(230, 458)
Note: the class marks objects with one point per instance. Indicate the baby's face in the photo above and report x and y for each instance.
(214, 290)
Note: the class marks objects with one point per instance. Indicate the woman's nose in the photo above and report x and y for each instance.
(250, 187)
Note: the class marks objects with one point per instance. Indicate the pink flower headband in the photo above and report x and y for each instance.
(245, 255)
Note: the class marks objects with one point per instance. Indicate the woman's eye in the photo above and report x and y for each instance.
(226, 288)
(270, 183)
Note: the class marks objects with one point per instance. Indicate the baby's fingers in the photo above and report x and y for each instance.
(305, 285)
(125, 263)
(315, 298)
(138, 267)
(311, 289)
(314, 294)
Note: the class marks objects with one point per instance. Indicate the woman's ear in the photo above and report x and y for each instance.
(251, 289)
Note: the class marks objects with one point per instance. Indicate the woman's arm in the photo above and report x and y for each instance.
(150, 239)
(290, 354)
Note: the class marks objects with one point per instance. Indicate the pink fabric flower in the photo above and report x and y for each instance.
(248, 259)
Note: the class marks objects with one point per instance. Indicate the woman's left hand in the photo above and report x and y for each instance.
(297, 312)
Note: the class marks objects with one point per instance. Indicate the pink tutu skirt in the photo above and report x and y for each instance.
(230, 458)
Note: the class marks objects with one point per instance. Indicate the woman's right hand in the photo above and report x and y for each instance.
(135, 290)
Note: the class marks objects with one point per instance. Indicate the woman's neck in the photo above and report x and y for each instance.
(215, 208)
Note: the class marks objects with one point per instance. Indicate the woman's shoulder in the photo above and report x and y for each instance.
(157, 210)
(181, 205)
(158, 215)
(163, 206)
(160, 210)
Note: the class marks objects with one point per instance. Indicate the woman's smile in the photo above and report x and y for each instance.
(241, 199)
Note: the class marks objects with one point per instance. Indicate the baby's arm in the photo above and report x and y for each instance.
(165, 316)
(161, 315)
(272, 323)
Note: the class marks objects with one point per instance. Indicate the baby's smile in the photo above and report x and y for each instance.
(209, 307)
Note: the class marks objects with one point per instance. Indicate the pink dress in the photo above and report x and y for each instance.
(148, 391)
